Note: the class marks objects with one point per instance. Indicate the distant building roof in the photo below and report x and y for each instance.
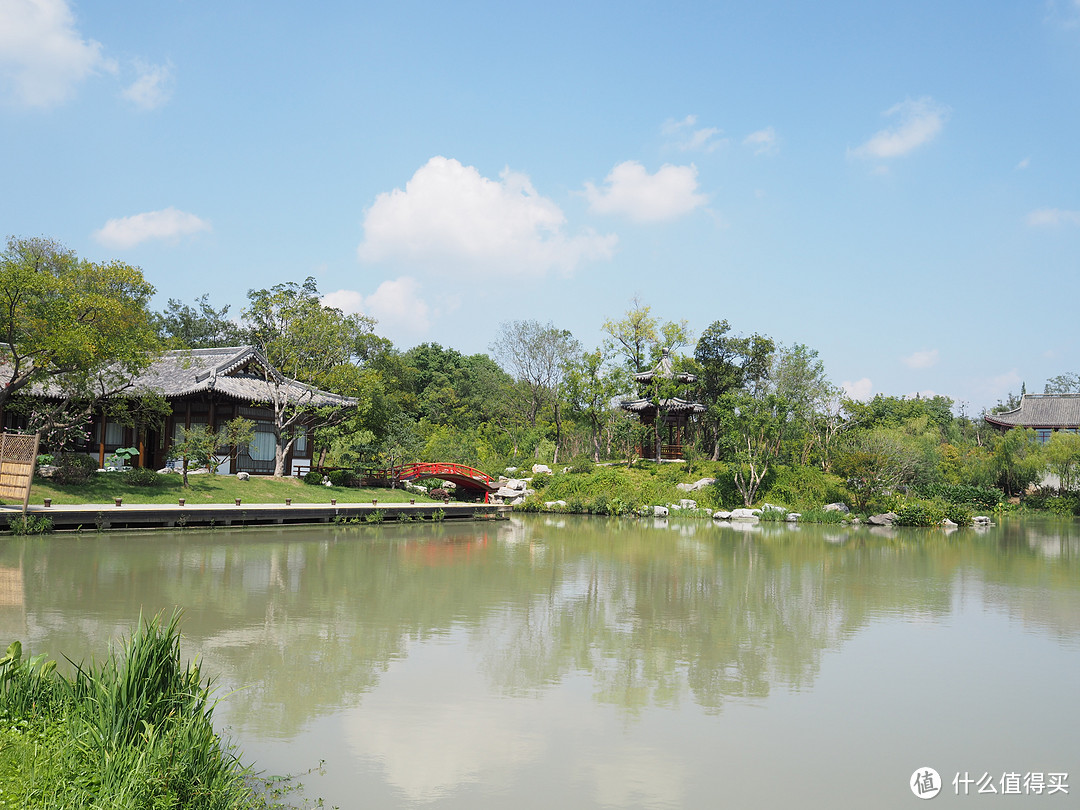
(673, 406)
(1041, 411)
(665, 370)
(239, 372)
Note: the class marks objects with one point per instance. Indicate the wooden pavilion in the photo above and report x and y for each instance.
(659, 406)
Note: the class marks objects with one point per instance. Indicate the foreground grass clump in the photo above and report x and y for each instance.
(134, 731)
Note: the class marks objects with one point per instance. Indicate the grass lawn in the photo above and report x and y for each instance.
(103, 487)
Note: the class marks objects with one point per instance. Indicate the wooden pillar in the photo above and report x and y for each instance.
(101, 443)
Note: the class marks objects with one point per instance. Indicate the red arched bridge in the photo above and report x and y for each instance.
(465, 477)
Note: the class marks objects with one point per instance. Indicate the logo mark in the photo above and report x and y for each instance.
(925, 783)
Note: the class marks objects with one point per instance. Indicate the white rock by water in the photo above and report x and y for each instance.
(745, 514)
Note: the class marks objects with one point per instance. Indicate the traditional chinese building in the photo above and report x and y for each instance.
(659, 406)
(206, 387)
(1044, 413)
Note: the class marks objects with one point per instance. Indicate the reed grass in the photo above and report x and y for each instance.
(133, 731)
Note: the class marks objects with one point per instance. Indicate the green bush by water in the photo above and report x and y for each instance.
(135, 731)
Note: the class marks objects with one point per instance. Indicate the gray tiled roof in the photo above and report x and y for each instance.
(675, 405)
(1041, 410)
(665, 370)
(183, 372)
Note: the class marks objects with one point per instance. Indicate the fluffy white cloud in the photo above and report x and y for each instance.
(690, 138)
(170, 223)
(152, 87)
(763, 142)
(450, 214)
(395, 304)
(860, 389)
(923, 359)
(42, 55)
(630, 190)
(917, 122)
(1052, 217)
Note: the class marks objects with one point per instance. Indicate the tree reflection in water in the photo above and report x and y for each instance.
(305, 621)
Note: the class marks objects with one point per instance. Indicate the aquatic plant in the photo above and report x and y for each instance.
(134, 731)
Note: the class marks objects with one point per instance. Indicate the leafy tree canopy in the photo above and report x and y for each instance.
(1063, 384)
(82, 325)
(182, 326)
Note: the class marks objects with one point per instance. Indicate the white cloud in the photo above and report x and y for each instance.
(152, 88)
(763, 142)
(42, 55)
(917, 122)
(630, 190)
(691, 139)
(923, 359)
(396, 305)
(1023, 164)
(1052, 217)
(127, 232)
(860, 389)
(450, 214)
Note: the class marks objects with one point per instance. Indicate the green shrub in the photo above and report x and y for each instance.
(30, 524)
(917, 512)
(723, 491)
(541, 480)
(1058, 503)
(577, 505)
(979, 497)
(582, 465)
(959, 513)
(798, 485)
(313, 477)
(439, 494)
(531, 504)
(343, 478)
(141, 477)
(75, 468)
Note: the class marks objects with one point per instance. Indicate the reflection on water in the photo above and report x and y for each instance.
(586, 662)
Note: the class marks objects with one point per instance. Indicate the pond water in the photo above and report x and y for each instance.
(574, 662)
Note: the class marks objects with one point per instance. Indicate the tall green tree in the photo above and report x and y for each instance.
(1017, 460)
(83, 328)
(639, 338)
(306, 341)
(538, 355)
(727, 363)
(1068, 383)
(1062, 454)
(753, 437)
(182, 326)
(591, 386)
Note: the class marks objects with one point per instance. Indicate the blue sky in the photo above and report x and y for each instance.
(894, 185)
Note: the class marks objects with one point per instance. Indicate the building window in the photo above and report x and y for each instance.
(114, 433)
(1042, 435)
(262, 445)
(300, 446)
